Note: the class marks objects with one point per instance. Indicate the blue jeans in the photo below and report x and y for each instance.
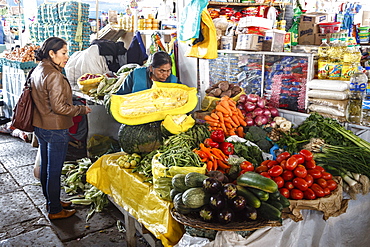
(53, 146)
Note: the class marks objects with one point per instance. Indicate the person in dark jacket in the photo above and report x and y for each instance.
(142, 78)
(53, 113)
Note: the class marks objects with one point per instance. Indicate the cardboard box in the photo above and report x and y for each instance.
(277, 40)
(314, 18)
(320, 36)
(252, 42)
(253, 21)
(228, 43)
(306, 33)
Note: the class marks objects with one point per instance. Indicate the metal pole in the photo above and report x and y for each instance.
(20, 24)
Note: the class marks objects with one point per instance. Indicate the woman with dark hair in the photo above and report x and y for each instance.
(53, 113)
(142, 78)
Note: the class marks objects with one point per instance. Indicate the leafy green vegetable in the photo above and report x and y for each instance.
(258, 135)
(251, 153)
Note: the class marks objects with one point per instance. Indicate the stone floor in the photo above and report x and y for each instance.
(23, 217)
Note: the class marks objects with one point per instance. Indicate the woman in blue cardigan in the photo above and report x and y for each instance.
(142, 78)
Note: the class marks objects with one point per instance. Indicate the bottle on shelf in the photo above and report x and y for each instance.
(366, 102)
(357, 86)
(322, 62)
(335, 63)
(349, 64)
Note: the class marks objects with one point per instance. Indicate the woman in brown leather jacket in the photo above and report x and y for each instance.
(53, 113)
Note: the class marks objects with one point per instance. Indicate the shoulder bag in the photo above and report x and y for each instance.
(23, 110)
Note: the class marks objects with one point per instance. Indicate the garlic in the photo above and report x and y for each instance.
(279, 120)
(286, 125)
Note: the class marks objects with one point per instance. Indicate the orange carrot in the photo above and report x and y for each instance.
(214, 115)
(232, 132)
(235, 119)
(240, 131)
(209, 165)
(223, 127)
(218, 153)
(221, 116)
(228, 125)
(222, 109)
(226, 105)
(214, 124)
(215, 165)
(242, 121)
(208, 118)
(222, 165)
(240, 114)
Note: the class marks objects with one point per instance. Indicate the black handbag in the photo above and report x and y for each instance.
(23, 110)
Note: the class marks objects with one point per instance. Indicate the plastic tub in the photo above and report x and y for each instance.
(363, 29)
(364, 38)
(330, 27)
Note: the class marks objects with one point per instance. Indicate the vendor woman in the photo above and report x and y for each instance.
(142, 78)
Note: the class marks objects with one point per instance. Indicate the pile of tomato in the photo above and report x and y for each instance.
(298, 176)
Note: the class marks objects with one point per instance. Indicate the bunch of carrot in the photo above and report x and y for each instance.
(213, 157)
(228, 117)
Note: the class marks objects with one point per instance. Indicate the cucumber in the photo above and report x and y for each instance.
(255, 180)
(275, 196)
(284, 201)
(276, 204)
(262, 195)
(269, 212)
(251, 199)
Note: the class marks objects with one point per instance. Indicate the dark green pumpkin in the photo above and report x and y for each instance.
(142, 138)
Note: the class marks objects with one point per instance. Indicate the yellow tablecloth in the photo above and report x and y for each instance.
(137, 197)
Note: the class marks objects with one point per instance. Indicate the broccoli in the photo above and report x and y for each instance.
(259, 136)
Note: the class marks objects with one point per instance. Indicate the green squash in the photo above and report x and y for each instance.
(141, 139)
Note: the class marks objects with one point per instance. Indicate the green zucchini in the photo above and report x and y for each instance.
(262, 195)
(251, 199)
(269, 212)
(178, 182)
(275, 196)
(194, 179)
(255, 180)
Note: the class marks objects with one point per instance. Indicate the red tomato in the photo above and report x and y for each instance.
(246, 165)
(296, 194)
(320, 168)
(322, 182)
(282, 164)
(314, 173)
(300, 184)
(309, 180)
(300, 171)
(326, 175)
(319, 192)
(287, 175)
(260, 169)
(327, 191)
(279, 181)
(307, 154)
(265, 162)
(275, 171)
(289, 185)
(282, 156)
(242, 172)
(272, 163)
(285, 192)
(265, 174)
(291, 163)
(332, 185)
(299, 157)
(310, 164)
(309, 194)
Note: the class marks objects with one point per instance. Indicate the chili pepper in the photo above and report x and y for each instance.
(208, 142)
(218, 136)
(227, 148)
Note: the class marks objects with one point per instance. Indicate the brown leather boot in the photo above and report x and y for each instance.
(65, 205)
(65, 213)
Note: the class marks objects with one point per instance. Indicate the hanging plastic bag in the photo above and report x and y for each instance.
(190, 19)
(207, 48)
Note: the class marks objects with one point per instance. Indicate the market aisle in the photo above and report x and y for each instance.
(23, 220)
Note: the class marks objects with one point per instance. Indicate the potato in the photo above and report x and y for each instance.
(224, 86)
(216, 92)
(226, 93)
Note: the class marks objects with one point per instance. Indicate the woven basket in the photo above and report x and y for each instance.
(232, 226)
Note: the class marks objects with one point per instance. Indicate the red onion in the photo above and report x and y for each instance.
(274, 112)
(244, 112)
(267, 112)
(242, 98)
(240, 106)
(249, 121)
(250, 114)
(252, 97)
(258, 111)
(261, 120)
(261, 102)
(249, 106)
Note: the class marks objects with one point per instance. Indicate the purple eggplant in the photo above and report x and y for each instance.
(238, 203)
(229, 190)
(250, 212)
(225, 216)
(207, 213)
(212, 185)
(217, 201)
